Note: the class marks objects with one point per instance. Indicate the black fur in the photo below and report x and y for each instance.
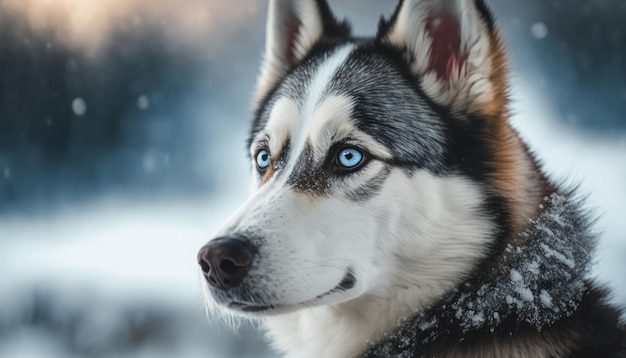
(333, 28)
(594, 330)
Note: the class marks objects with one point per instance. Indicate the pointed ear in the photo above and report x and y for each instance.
(453, 49)
(293, 28)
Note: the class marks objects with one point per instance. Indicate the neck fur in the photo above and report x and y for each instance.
(343, 330)
(557, 246)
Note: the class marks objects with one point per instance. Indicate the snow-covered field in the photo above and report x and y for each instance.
(101, 263)
(95, 259)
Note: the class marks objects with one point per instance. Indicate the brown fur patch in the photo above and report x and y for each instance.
(268, 173)
(521, 345)
(517, 176)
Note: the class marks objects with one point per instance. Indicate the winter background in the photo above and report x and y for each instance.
(122, 148)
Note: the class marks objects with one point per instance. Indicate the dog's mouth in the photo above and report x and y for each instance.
(347, 282)
(248, 307)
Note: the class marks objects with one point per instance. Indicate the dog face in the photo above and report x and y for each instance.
(373, 160)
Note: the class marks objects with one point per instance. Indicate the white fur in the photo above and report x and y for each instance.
(464, 92)
(426, 237)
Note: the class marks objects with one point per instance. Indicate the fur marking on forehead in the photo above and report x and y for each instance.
(331, 121)
(303, 116)
(315, 94)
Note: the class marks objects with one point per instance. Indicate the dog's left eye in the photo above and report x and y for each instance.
(263, 159)
(350, 158)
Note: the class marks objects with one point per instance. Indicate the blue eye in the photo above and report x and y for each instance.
(263, 159)
(350, 157)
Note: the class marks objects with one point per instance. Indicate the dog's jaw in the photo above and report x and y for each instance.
(404, 270)
(346, 329)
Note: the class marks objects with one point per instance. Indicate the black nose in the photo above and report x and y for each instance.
(225, 261)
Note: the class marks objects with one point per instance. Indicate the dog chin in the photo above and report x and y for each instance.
(261, 310)
(336, 295)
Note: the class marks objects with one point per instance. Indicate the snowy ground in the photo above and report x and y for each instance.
(112, 269)
(107, 255)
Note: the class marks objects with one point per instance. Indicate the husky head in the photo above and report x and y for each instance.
(384, 168)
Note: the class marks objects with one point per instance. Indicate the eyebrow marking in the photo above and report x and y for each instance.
(332, 121)
(278, 129)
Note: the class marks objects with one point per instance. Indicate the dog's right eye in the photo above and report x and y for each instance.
(263, 160)
(350, 159)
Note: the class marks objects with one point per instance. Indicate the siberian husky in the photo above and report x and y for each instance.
(395, 211)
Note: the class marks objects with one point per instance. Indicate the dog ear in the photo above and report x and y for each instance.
(293, 28)
(453, 49)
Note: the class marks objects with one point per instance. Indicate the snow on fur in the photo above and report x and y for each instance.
(540, 281)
